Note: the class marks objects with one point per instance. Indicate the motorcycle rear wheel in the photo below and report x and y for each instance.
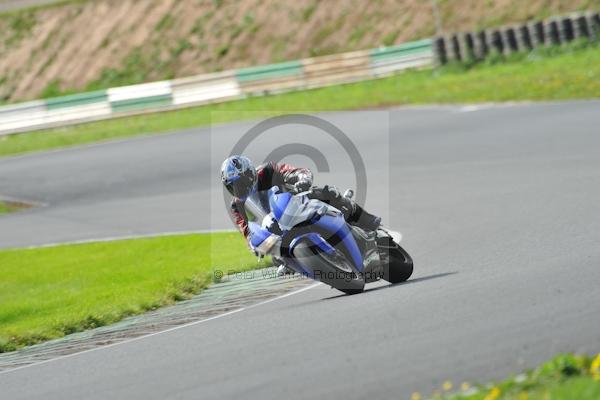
(400, 265)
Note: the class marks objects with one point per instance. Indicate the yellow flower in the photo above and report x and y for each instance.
(465, 386)
(415, 396)
(595, 368)
(447, 386)
(493, 394)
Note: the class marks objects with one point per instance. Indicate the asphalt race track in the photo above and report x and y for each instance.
(499, 207)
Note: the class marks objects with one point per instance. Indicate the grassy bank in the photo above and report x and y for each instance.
(46, 293)
(574, 74)
(566, 377)
(4, 208)
(9, 206)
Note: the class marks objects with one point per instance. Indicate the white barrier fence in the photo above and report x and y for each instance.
(215, 87)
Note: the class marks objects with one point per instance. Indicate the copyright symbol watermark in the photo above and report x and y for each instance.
(311, 152)
(217, 275)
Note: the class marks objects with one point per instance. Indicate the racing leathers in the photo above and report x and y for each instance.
(294, 179)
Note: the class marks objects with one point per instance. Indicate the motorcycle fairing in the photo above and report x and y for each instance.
(261, 239)
(316, 239)
(290, 211)
(337, 229)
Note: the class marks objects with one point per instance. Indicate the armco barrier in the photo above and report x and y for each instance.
(337, 68)
(205, 88)
(74, 100)
(140, 97)
(215, 87)
(76, 108)
(388, 60)
(523, 37)
(18, 117)
(270, 78)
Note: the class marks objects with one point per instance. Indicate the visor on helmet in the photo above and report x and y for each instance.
(238, 176)
(240, 186)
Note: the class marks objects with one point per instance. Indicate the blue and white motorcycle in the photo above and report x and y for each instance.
(314, 240)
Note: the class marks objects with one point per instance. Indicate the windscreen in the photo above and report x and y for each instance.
(298, 210)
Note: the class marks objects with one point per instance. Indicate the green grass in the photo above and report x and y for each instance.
(46, 293)
(4, 208)
(9, 206)
(574, 74)
(566, 377)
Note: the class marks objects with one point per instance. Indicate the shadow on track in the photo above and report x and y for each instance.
(408, 282)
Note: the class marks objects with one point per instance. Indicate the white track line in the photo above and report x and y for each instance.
(283, 296)
(466, 109)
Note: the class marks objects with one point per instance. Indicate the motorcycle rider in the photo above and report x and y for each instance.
(242, 180)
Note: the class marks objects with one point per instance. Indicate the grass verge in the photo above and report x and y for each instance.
(565, 377)
(46, 293)
(9, 206)
(4, 208)
(572, 74)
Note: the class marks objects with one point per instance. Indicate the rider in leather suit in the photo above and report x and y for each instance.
(242, 180)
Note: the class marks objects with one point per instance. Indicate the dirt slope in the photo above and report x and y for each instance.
(102, 43)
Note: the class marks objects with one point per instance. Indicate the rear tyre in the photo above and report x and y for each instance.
(351, 292)
(400, 265)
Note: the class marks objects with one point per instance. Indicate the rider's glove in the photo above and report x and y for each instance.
(303, 184)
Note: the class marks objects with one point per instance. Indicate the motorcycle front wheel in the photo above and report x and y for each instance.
(329, 271)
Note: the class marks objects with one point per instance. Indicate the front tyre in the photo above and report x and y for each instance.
(329, 271)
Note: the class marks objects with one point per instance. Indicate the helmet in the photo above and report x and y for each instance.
(239, 176)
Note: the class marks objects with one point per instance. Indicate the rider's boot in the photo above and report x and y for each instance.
(363, 219)
(282, 269)
(353, 213)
